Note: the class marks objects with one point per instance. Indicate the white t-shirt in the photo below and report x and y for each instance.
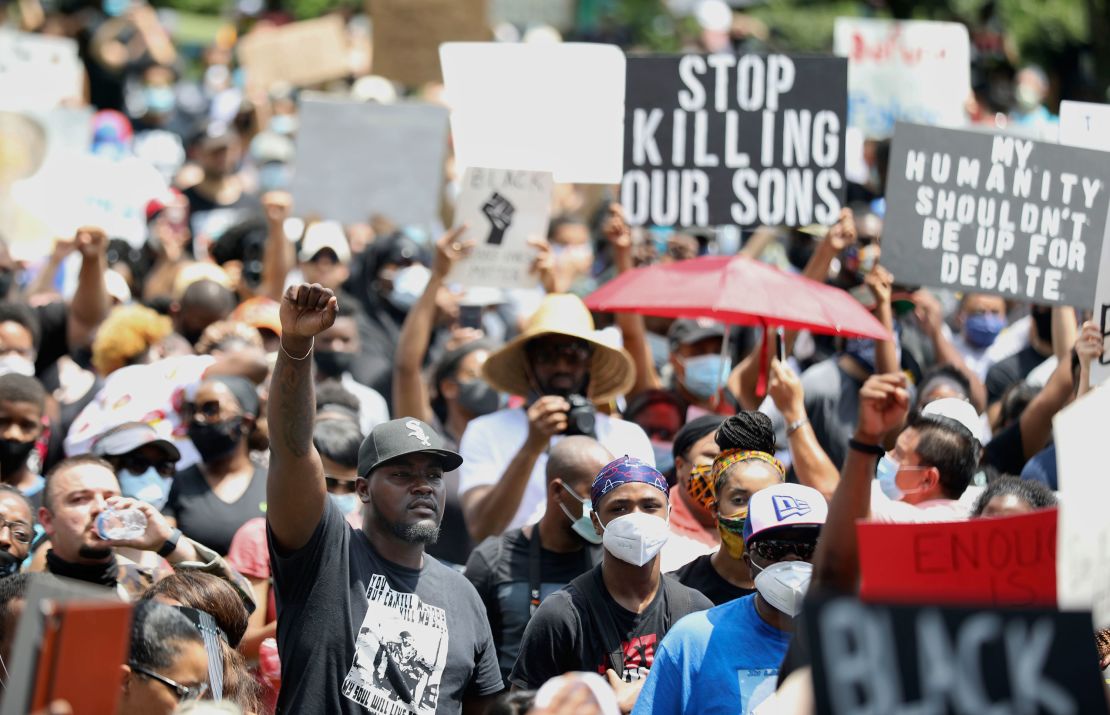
(372, 408)
(490, 443)
(885, 509)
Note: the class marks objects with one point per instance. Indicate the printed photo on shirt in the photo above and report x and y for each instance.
(756, 685)
(400, 653)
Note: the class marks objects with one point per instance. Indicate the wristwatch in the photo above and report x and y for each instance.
(171, 543)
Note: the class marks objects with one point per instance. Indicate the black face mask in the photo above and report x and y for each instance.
(333, 363)
(9, 564)
(13, 455)
(478, 398)
(216, 440)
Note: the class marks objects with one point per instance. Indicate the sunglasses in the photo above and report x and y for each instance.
(137, 464)
(776, 550)
(184, 692)
(573, 353)
(334, 483)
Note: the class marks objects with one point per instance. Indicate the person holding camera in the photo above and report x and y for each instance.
(563, 368)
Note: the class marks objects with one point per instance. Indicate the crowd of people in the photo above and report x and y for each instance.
(360, 487)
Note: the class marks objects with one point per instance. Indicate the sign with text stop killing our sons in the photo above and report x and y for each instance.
(979, 212)
(742, 140)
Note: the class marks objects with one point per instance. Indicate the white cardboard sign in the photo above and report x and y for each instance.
(38, 72)
(503, 211)
(538, 107)
(1083, 535)
(904, 70)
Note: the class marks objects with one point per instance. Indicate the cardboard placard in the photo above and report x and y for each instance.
(1087, 125)
(301, 53)
(1008, 561)
(721, 139)
(897, 660)
(528, 13)
(408, 33)
(980, 212)
(904, 70)
(38, 72)
(356, 159)
(503, 211)
(538, 107)
(1083, 544)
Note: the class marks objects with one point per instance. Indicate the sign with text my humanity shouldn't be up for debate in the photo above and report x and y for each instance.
(742, 140)
(979, 212)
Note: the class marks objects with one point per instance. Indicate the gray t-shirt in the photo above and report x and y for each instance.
(358, 634)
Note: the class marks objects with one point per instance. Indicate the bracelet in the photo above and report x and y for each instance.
(874, 449)
(311, 345)
(171, 543)
(796, 425)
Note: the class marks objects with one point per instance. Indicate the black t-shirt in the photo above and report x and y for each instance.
(209, 220)
(569, 630)
(499, 569)
(53, 340)
(454, 543)
(1010, 370)
(355, 629)
(1006, 451)
(700, 575)
(204, 517)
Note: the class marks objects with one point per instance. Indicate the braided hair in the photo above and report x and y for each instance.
(749, 431)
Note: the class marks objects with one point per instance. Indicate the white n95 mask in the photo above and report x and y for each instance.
(784, 584)
(636, 538)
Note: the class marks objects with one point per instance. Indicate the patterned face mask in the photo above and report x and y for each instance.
(731, 529)
(700, 486)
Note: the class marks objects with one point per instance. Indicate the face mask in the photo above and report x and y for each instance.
(159, 100)
(408, 285)
(216, 440)
(283, 124)
(13, 455)
(576, 254)
(582, 525)
(115, 8)
(783, 585)
(9, 564)
(17, 364)
(664, 456)
(887, 473)
(699, 488)
(274, 176)
(636, 538)
(478, 398)
(731, 529)
(982, 329)
(347, 503)
(705, 374)
(1028, 98)
(863, 349)
(333, 363)
(148, 486)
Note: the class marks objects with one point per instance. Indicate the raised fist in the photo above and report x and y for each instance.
(500, 212)
(307, 310)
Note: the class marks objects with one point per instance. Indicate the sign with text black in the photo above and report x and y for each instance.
(898, 660)
(743, 140)
(979, 212)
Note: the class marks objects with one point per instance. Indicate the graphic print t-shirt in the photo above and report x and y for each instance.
(359, 634)
(566, 633)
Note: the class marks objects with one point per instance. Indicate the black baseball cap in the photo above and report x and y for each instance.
(687, 331)
(400, 437)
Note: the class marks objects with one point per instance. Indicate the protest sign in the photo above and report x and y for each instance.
(972, 211)
(1087, 125)
(300, 53)
(502, 211)
(1002, 562)
(898, 660)
(38, 72)
(720, 139)
(356, 159)
(528, 13)
(408, 33)
(904, 70)
(538, 107)
(1083, 544)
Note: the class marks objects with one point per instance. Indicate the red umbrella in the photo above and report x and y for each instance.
(740, 291)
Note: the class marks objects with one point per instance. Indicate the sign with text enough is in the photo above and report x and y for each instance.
(911, 660)
(979, 212)
(725, 139)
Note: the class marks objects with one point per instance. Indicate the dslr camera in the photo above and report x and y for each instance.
(581, 417)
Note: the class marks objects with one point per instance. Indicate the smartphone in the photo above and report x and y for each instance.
(780, 336)
(470, 316)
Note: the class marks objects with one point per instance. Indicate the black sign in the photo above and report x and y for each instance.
(898, 660)
(724, 139)
(984, 213)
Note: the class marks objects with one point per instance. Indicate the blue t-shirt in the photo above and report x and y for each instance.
(714, 661)
(1042, 468)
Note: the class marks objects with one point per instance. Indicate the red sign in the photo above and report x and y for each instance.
(1009, 561)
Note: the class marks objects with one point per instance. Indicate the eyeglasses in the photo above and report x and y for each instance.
(137, 464)
(775, 550)
(184, 692)
(546, 354)
(21, 531)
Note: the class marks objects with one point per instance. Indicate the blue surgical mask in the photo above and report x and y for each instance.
(274, 176)
(582, 525)
(863, 349)
(705, 374)
(347, 503)
(283, 124)
(150, 486)
(664, 456)
(887, 473)
(408, 285)
(982, 329)
(159, 100)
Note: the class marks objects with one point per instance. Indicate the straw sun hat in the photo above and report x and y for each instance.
(611, 369)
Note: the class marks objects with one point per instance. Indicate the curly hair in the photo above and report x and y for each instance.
(217, 335)
(127, 333)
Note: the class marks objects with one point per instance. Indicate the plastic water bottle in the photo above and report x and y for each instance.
(120, 524)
